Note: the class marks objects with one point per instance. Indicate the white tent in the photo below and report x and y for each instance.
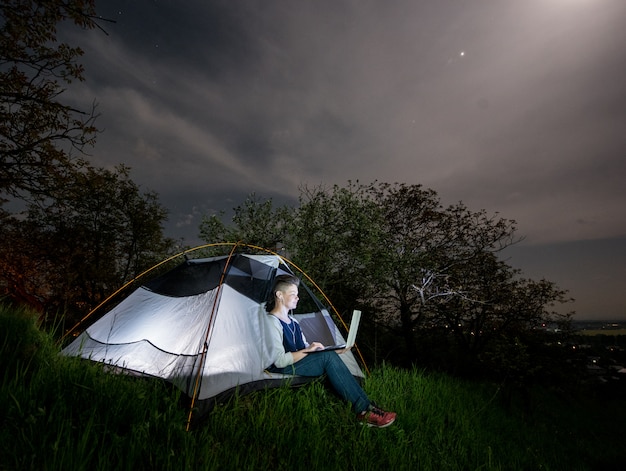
(200, 326)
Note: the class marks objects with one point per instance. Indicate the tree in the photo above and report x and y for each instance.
(39, 135)
(255, 222)
(336, 234)
(23, 266)
(429, 274)
(433, 256)
(83, 243)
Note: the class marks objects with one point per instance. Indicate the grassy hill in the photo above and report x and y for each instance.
(61, 413)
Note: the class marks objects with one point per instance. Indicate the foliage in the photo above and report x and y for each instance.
(25, 348)
(421, 269)
(67, 413)
(424, 273)
(87, 240)
(255, 223)
(39, 133)
(434, 257)
(337, 236)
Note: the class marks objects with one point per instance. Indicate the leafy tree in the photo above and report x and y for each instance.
(394, 246)
(336, 237)
(443, 281)
(330, 234)
(429, 274)
(40, 135)
(432, 256)
(255, 222)
(79, 246)
(23, 264)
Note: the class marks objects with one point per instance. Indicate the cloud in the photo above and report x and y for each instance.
(504, 106)
(511, 107)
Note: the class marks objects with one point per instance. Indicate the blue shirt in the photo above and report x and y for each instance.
(292, 336)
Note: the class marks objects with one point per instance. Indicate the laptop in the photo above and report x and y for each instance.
(354, 327)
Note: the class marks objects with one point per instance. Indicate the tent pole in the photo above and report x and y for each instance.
(205, 347)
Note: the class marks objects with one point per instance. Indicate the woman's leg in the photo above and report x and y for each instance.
(329, 363)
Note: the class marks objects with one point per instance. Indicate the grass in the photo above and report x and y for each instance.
(60, 413)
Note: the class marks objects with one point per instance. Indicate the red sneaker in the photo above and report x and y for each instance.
(375, 417)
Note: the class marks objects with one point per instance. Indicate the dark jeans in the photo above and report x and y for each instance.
(329, 364)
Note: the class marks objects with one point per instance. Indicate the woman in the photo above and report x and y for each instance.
(291, 354)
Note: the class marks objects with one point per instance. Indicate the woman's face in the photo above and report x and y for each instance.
(290, 297)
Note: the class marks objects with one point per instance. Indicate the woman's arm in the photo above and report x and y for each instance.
(274, 341)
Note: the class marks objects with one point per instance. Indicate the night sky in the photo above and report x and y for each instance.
(515, 107)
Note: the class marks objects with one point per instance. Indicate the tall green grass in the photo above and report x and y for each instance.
(59, 413)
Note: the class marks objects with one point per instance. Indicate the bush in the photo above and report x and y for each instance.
(24, 348)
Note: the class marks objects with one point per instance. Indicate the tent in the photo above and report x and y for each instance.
(200, 327)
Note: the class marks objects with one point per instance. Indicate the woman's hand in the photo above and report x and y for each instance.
(313, 346)
(300, 354)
